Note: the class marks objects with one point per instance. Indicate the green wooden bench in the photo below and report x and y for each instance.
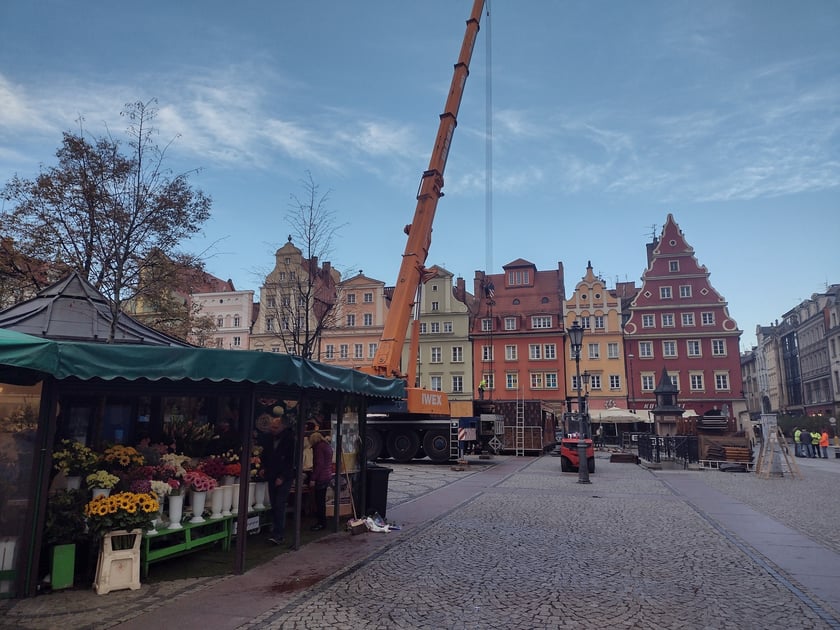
(168, 543)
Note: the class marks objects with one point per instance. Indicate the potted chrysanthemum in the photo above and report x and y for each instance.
(74, 460)
(119, 520)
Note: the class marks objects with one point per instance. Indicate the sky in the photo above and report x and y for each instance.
(604, 117)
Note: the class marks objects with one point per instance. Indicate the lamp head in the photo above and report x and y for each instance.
(575, 333)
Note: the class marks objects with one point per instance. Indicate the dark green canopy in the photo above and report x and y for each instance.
(23, 355)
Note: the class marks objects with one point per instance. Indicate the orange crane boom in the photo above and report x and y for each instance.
(413, 272)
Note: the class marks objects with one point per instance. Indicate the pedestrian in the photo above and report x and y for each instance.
(322, 473)
(824, 443)
(815, 443)
(599, 434)
(278, 461)
(797, 432)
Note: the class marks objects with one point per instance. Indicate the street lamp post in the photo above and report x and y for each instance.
(576, 342)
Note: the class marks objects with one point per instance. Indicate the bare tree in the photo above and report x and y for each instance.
(105, 213)
(299, 295)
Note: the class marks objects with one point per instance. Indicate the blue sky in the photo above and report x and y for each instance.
(607, 116)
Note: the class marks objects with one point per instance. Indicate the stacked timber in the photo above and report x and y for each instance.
(737, 454)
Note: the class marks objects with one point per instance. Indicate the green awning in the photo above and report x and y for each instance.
(22, 355)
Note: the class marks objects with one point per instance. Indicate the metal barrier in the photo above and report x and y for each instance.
(675, 448)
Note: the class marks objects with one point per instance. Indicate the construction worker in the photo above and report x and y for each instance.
(815, 443)
(824, 443)
(797, 444)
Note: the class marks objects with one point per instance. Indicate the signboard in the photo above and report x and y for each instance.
(253, 524)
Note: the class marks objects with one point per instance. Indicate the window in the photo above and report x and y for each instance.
(665, 293)
(372, 350)
(437, 383)
(550, 351)
(302, 301)
(351, 320)
(612, 350)
(584, 322)
(292, 275)
(435, 328)
(511, 380)
(692, 347)
(667, 320)
(457, 384)
(351, 298)
(551, 380)
(358, 351)
(518, 278)
(646, 349)
(510, 353)
(237, 341)
(286, 300)
(435, 306)
(269, 324)
(220, 322)
(236, 321)
(510, 323)
(707, 319)
(595, 381)
(486, 353)
(648, 321)
(437, 355)
(447, 327)
(489, 380)
(434, 287)
(688, 319)
(673, 265)
(457, 354)
(281, 276)
(368, 298)
(685, 290)
(669, 348)
(721, 381)
(599, 322)
(423, 328)
(534, 351)
(615, 381)
(541, 321)
(537, 380)
(647, 382)
(220, 343)
(330, 351)
(343, 349)
(272, 302)
(287, 260)
(275, 349)
(594, 350)
(486, 324)
(368, 319)
(718, 348)
(695, 381)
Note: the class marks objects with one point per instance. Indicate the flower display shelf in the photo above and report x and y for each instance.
(168, 543)
(119, 562)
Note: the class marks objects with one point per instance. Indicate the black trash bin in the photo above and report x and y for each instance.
(376, 489)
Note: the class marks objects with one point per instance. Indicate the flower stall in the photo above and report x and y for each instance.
(146, 415)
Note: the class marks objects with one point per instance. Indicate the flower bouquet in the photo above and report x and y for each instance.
(233, 470)
(213, 467)
(190, 436)
(74, 459)
(119, 457)
(256, 463)
(199, 481)
(101, 479)
(124, 510)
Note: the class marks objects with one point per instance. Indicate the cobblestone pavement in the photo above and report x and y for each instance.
(536, 549)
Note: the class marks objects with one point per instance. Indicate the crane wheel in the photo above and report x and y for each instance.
(436, 446)
(373, 445)
(403, 445)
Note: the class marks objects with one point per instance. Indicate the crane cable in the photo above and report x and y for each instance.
(488, 147)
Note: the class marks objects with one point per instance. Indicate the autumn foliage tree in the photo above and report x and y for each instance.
(106, 209)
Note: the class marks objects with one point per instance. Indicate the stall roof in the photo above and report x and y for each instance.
(22, 356)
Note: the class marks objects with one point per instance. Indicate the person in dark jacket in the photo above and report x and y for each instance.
(322, 460)
(278, 460)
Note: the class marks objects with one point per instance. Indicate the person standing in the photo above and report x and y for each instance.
(815, 443)
(278, 459)
(824, 443)
(322, 456)
(797, 432)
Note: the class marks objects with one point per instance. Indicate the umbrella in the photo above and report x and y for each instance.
(615, 415)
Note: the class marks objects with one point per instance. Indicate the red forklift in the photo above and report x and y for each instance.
(574, 426)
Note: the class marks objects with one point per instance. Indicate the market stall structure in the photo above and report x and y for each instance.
(101, 394)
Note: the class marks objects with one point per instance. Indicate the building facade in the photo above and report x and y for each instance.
(231, 312)
(679, 322)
